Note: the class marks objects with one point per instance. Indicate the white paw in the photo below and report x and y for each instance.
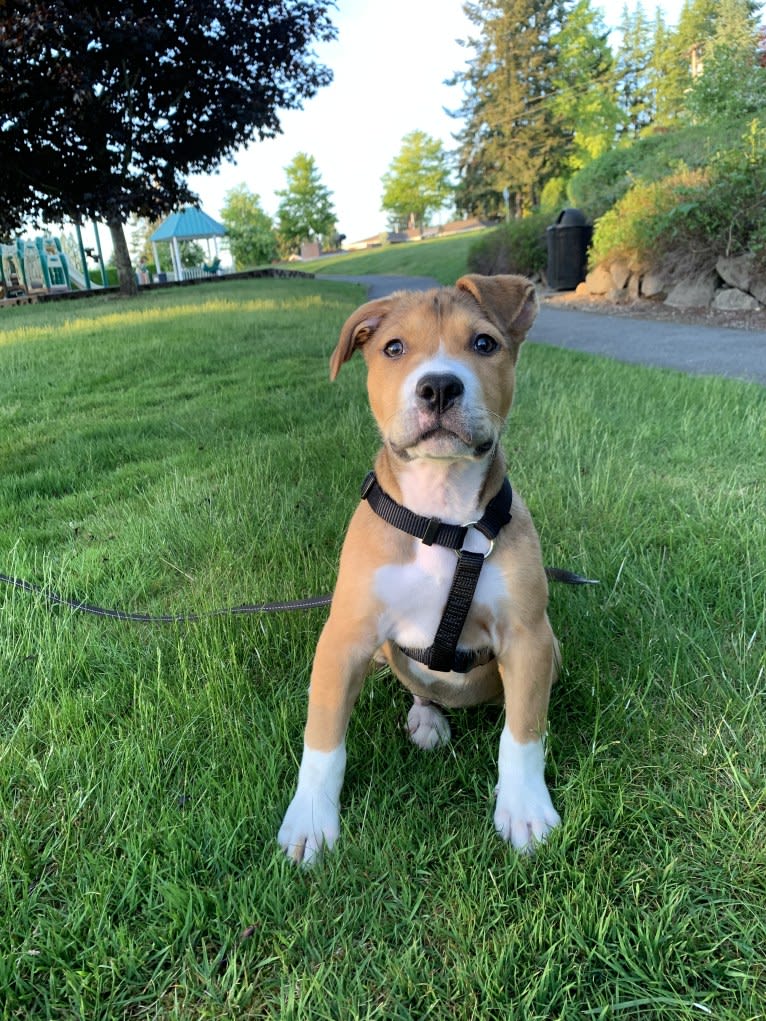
(312, 820)
(310, 824)
(524, 812)
(428, 726)
(525, 817)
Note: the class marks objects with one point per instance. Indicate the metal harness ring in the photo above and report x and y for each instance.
(472, 524)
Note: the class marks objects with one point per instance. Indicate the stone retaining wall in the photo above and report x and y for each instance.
(736, 285)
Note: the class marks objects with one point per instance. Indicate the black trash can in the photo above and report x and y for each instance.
(568, 240)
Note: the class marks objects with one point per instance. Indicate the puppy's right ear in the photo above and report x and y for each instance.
(357, 330)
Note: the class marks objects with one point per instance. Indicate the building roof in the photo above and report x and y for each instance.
(189, 223)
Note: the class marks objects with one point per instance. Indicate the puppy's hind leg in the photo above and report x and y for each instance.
(427, 725)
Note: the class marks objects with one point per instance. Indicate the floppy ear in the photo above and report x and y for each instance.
(509, 301)
(357, 329)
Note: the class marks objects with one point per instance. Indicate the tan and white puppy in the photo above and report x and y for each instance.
(440, 381)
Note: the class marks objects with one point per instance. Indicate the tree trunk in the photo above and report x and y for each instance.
(125, 274)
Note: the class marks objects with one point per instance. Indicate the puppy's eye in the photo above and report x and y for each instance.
(483, 344)
(394, 349)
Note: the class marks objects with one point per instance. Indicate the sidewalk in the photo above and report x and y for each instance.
(698, 350)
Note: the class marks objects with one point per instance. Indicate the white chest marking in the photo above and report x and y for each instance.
(414, 595)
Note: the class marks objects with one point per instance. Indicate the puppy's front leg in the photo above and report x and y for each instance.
(312, 820)
(524, 812)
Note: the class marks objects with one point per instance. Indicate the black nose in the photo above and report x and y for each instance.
(439, 391)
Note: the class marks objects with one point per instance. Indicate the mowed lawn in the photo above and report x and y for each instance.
(443, 258)
(185, 451)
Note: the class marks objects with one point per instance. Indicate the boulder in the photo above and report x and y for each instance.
(599, 280)
(758, 286)
(634, 287)
(653, 285)
(731, 299)
(693, 292)
(619, 271)
(736, 270)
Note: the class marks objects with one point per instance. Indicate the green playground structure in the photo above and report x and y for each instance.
(33, 267)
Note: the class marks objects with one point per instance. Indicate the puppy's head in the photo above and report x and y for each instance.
(440, 364)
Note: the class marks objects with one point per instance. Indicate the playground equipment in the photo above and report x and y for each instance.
(33, 267)
(55, 264)
(11, 272)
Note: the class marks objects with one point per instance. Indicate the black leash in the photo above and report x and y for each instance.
(429, 530)
(309, 603)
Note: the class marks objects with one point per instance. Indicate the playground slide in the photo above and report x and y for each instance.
(79, 280)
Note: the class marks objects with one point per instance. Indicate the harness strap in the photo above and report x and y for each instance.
(443, 655)
(428, 530)
(463, 662)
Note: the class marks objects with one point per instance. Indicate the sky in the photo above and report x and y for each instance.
(390, 63)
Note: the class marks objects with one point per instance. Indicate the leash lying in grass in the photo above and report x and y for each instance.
(308, 603)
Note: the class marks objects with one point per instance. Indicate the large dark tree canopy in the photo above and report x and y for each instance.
(106, 107)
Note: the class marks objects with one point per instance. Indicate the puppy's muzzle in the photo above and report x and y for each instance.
(437, 392)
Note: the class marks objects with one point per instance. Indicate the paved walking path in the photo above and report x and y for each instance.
(698, 350)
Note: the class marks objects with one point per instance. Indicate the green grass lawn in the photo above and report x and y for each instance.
(444, 259)
(186, 451)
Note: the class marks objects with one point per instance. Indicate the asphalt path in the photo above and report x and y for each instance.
(697, 350)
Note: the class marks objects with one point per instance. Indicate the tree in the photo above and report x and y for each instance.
(107, 107)
(732, 81)
(417, 183)
(669, 73)
(633, 68)
(250, 231)
(583, 99)
(306, 211)
(513, 137)
(672, 58)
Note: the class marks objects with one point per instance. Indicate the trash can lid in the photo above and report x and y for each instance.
(571, 218)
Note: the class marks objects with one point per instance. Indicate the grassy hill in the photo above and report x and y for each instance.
(445, 259)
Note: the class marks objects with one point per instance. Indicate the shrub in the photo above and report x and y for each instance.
(111, 277)
(602, 183)
(635, 228)
(728, 215)
(704, 212)
(515, 247)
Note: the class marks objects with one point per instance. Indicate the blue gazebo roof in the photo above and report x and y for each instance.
(188, 224)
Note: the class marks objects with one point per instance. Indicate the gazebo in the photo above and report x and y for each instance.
(190, 224)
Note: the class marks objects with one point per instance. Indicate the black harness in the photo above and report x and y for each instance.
(444, 655)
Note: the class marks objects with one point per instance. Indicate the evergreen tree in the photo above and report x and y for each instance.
(306, 211)
(669, 73)
(417, 183)
(675, 52)
(732, 79)
(584, 98)
(513, 137)
(635, 89)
